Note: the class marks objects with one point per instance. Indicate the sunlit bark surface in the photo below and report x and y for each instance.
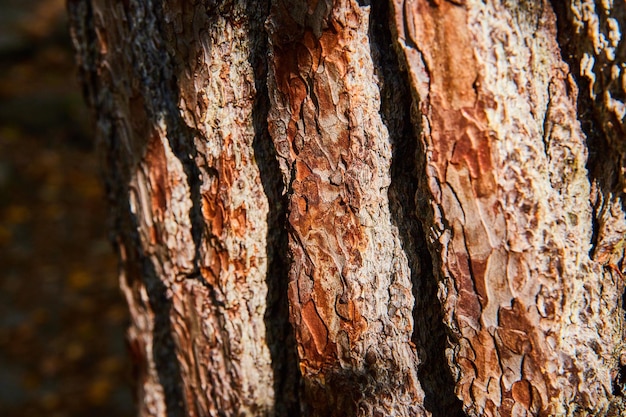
(342, 207)
(535, 320)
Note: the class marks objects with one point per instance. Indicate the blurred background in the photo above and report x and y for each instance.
(62, 317)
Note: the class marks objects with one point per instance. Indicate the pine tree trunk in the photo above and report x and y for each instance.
(341, 207)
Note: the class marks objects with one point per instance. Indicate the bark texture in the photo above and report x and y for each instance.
(590, 34)
(332, 207)
(592, 41)
(349, 283)
(173, 85)
(531, 313)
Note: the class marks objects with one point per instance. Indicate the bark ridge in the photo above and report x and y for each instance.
(342, 207)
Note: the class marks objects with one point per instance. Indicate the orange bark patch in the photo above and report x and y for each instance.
(315, 326)
(459, 140)
(160, 192)
(239, 222)
(441, 31)
(213, 213)
(522, 393)
(157, 167)
(327, 236)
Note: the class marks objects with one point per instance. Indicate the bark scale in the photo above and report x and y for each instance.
(261, 159)
(175, 94)
(350, 287)
(535, 320)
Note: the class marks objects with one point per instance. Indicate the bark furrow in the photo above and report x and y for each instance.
(591, 41)
(590, 35)
(429, 332)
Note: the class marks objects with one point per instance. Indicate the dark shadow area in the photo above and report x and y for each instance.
(163, 90)
(430, 334)
(163, 345)
(279, 332)
(62, 317)
(278, 329)
(140, 271)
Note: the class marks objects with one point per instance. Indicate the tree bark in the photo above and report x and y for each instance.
(505, 174)
(337, 208)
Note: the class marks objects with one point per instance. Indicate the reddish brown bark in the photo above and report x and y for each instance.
(293, 242)
(349, 280)
(505, 168)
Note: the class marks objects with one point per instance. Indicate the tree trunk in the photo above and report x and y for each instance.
(338, 208)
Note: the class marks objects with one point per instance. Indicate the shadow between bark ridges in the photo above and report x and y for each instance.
(139, 266)
(602, 165)
(279, 332)
(429, 333)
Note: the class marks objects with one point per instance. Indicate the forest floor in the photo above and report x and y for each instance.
(62, 317)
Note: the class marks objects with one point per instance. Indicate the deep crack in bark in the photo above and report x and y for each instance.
(163, 345)
(278, 329)
(429, 333)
